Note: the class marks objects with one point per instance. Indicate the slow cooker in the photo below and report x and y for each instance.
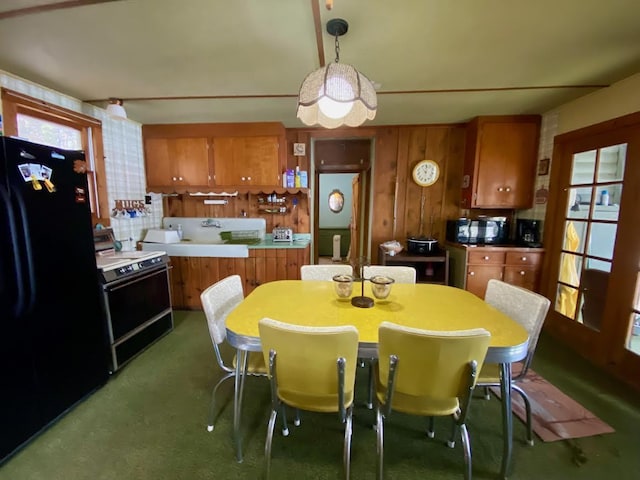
(422, 245)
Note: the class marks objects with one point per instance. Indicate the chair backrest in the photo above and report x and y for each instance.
(400, 273)
(527, 308)
(217, 301)
(306, 363)
(430, 363)
(324, 272)
(593, 284)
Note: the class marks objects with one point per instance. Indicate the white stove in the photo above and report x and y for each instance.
(136, 297)
(115, 265)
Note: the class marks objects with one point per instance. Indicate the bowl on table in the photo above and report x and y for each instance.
(343, 285)
(381, 286)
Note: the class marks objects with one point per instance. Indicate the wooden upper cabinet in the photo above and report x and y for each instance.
(351, 155)
(177, 162)
(500, 162)
(247, 160)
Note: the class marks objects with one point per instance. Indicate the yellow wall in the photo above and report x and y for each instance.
(621, 98)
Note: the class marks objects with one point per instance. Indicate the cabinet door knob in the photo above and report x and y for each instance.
(486, 257)
(524, 259)
(508, 189)
(242, 178)
(522, 273)
(472, 273)
(174, 178)
(249, 178)
(180, 178)
(500, 189)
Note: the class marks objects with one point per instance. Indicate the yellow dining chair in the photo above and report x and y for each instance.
(218, 301)
(400, 273)
(323, 272)
(529, 309)
(427, 373)
(313, 369)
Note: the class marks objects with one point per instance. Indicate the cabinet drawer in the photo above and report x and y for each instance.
(486, 257)
(526, 277)
(524, 258)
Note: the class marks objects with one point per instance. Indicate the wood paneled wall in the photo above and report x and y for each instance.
(396, 199)
(399, 207)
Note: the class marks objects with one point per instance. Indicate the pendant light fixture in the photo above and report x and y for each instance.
(115, 108)
(336, 94)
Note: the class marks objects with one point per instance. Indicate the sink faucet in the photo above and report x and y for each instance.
(210, 222)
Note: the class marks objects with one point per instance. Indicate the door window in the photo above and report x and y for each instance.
(590, 231)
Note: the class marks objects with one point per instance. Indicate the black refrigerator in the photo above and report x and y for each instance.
(53, 344)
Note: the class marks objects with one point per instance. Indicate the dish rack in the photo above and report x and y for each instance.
(243, 235)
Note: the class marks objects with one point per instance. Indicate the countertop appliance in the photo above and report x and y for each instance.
(422, 245)
(53, 342)
(490, 230)
(282, 234)
(136, 297)
(528, 232)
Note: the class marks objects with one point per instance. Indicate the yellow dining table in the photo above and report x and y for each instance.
(421, 305)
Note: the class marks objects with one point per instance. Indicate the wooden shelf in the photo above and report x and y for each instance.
(429, 268)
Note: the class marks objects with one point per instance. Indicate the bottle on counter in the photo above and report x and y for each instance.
(604, 198)
(179, 231)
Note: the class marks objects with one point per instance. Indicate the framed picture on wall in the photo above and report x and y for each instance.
(543, 167)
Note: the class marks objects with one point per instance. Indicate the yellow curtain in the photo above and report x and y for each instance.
(568, 297)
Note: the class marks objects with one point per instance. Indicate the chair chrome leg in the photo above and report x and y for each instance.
(527, 405)
(466, 447)
(380, 442)
(285, 427)
(347, 444)
(430, 432)
(451, 443)
(267, 444)
(212, 406)
(296, 420)
(369, 403)
(487, 394)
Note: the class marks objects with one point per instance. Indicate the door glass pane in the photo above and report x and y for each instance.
(566, 301)
(575, 235)
(579, 202)
(609, 208)
(602, 238)
(584, 167)
(593, 288)
(633, 340)
(611, 163)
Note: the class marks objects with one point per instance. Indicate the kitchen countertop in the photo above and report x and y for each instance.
(191, 249)
(493, 246)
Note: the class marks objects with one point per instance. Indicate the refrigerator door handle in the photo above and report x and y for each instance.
(19, 304)
(26, 240)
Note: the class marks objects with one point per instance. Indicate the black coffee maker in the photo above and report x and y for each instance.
(528, 232)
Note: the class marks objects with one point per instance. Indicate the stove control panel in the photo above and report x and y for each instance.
(133, 268)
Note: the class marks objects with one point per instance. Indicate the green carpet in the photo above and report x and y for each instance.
(149, 422)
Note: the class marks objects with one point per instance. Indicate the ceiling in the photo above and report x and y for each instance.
(434, 61)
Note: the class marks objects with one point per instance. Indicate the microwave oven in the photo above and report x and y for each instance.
(484, 231)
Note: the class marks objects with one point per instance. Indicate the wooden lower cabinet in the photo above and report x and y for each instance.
(473, 267)
(190, 276)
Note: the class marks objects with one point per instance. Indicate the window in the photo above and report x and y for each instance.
(45, 123)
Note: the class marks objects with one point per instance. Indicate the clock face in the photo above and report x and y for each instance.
(426, 173)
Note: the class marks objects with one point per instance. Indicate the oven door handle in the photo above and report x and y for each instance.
(125, 282)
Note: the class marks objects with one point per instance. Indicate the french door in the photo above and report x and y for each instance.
(592, 234)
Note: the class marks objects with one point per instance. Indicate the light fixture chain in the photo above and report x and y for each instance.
(337, 49)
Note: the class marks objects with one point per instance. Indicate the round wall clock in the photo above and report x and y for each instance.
(426, 172)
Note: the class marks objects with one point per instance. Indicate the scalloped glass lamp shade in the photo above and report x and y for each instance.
(335, 95)
(115, 108)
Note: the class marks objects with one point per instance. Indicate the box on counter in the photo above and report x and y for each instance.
(304, 179)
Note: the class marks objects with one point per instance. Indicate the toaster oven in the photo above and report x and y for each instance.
(481, 231)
